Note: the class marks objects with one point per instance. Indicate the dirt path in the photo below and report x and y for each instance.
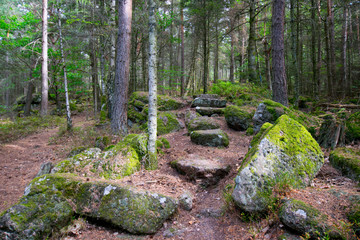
(209, 218)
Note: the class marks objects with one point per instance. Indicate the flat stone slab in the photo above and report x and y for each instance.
(208, 172)
(202, 123)
(211, 138)
(209, 111)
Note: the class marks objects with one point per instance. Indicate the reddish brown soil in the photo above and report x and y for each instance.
(211, 217)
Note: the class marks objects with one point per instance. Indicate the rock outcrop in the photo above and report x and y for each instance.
(211, 138)
(50, 202)
(280, 153)
(237, 118)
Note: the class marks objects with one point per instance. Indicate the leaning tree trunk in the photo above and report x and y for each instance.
(278, 58)
(151, 162)
(44, 68)
(122, 68)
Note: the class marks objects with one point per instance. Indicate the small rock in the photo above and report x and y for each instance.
(45, 168)
(186, 201)
(209, 111)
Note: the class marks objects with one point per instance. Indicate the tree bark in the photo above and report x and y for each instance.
(152, 124)
(252, 42)
(67, 102)
(44, 68)
(205, 47)
(344, 82)
(122, 68)
(294, 58)
(278, 58)
(30, 90)
(182, 61)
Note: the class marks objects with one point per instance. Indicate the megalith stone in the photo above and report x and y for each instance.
(211, 138)
(281, 153)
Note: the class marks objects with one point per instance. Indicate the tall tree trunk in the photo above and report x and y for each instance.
(44, 68)
(252, 42)
(144, 63)
(102, 50)
(278, 58)
(133, 73)
(111, 78)
(294, 58)
(182, 64)
(319, 52)
(152, 125)
(216, 51)
(314, 33)
(332, 63)
(122, 68)
(171, 55)
(30, 90)
(267, 55)
(67, 102)
(344, 82)
(205, 46)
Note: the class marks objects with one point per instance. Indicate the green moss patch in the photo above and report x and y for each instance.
(347, 160)
(353, 127)
(237, 118)
(167, 123)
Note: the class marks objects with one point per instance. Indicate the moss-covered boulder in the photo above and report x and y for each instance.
(237, 118)
(270, 111)
(117, 161)
(303, 218)
(209, 111)
(211, 138)
(190, 115)
(284, 153)
(167, 123)
(209, 100)
(37, 215)
(202, 123)
(51, 201)
(353, 127)
(347, 160)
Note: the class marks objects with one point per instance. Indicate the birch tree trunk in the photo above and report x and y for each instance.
(44, 68)
(278, 58)
(151, 162)
(122, 68)
(67, 102)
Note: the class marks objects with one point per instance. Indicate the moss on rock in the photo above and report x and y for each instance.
(353, 127)
(237, 118)
(202, 123)
(167, 123)
(211, 138)
(347, 160)
(281, 153)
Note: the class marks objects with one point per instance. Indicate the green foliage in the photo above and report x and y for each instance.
(21, 127)
(247, 92)
(347, 160)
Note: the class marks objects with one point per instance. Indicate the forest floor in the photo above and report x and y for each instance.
(212, 217)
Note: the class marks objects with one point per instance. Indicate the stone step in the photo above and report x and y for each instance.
(209, 111)
(209, 100)
(207, 172)
(202, 123)
(211, 138)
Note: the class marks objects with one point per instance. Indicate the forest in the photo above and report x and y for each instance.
(179, 119)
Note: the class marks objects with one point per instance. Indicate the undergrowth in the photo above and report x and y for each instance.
(24, 126)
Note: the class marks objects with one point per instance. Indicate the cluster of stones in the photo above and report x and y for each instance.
(204, 130)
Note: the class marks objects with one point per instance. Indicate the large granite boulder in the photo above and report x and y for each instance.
(237, 118)
(211, 138)
(202, 123)
(50, 202)
(347, 160)
(209, 100)
(284, 153)
(205, 171)
(305, 219)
